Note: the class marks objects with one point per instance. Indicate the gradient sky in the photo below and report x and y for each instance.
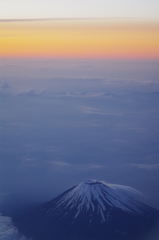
(80, 39)
(79, 97)
(20, 9)
(124, 29)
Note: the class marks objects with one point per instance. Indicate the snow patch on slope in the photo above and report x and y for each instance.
(84, 196)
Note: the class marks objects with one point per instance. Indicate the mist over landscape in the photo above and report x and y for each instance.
(59, 131)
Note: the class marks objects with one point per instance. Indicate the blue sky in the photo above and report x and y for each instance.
(20, 9)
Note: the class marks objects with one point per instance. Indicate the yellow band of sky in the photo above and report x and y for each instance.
(79, 39)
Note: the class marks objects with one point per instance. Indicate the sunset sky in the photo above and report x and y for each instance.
(119, 29)
(80, 39)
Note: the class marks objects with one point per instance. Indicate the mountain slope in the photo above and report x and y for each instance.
(90, 210)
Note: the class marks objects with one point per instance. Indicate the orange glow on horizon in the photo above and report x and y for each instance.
(79, 39)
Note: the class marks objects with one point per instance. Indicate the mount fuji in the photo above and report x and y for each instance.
(92, 210)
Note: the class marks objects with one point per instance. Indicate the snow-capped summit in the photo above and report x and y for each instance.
(91, 210)
(99, 196)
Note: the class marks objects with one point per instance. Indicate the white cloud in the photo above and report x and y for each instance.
(125, 189)
(145, 166)
(64, 166)
(31, 92)
(52, 149)
(4, 85)
(90, 110)
(85, 95)
(96, 111)
(8, 231)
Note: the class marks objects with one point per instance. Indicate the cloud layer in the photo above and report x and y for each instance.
(145, 166)
(8, 231)
(64, 166)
